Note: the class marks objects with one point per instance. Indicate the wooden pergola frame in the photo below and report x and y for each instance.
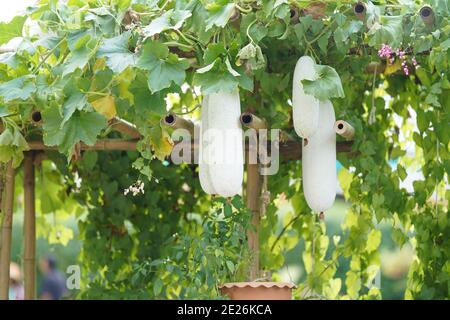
(290, 150)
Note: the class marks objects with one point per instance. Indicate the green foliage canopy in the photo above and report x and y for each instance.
(90, 60)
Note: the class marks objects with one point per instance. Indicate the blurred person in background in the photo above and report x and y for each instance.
(53, 286)
(16, 290)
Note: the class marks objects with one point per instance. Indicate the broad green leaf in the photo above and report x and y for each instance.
(103, 20)
(115, 50)
(220, 16)
(172, 19)
(388, 30)
(81, 127)
(125, 79)
(332, 289)
(10, 59)
(373, 240)
(161, 143)
(164, 67)
(11, 29)
(211, 82)
(77, 60)
(327, 85)
(157, 286)
(230, 266)
(401, 172)
(353, 284)
(77, 101)
(21, 88)
(4, 111)
(12, 146)
(105, 106)
(82, 47)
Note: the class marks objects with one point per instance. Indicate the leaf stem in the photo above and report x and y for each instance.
(48, 55)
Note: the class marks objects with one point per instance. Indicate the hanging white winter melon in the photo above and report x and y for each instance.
(305, 108)
(221, 161)
(319, 161)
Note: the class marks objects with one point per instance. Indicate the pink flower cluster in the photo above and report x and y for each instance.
(386, 52)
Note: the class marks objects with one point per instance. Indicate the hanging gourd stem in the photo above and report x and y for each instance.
(344, 129)
(360, 10)
(427, 15)
(176, 122)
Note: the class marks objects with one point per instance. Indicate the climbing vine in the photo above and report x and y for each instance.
(81, 63)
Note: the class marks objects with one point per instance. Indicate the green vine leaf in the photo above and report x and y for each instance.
(164, 67)
(76, 101)
(20, 88)
(388, 30)
(172, 19)
(81, 127)
(327, 85)
(220, 14)
(115, 50)
(11, 29)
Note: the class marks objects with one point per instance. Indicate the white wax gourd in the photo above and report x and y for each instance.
(305, 108)
(221, 145)
(319, 161)
(205, 181)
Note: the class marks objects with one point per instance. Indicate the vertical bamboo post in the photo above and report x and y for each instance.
(5, 254)
(253, 192)
(29, 228)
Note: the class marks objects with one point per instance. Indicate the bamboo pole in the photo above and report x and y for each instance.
(359, 9)
(289, 150)
(29, 228)
(36, 118)
(125, 127)
(251, 121)
(177, 122)
(344, 129)
(253, 192)
(6, 50)
(105, 144)
(5, 254)
(427, 15)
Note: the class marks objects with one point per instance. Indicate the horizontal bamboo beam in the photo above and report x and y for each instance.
(125, 127)
(292, 150)
(289, 150)
(106, 144)
(6, 50)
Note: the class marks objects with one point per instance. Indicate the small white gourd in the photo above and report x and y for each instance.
(305, 108)
(221, 162)
(319, 161)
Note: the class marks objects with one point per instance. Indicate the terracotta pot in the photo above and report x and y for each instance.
(258, 290)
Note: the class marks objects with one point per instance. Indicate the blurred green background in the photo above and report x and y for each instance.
(394, 262)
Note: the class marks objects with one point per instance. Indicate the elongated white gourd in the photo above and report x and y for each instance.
(305, 108)
(319, 161)
(205, 181)
(221, 167)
